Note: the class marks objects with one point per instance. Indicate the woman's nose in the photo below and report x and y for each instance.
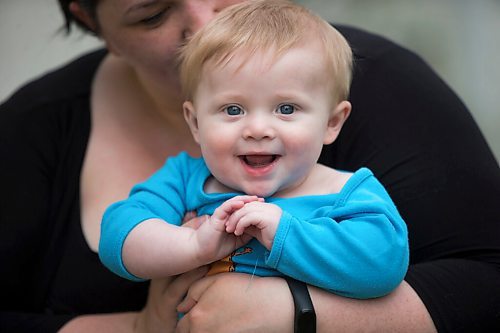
(197, 14)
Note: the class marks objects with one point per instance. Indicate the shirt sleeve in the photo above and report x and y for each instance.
(358, 249)
(43, 133)
(162, 196)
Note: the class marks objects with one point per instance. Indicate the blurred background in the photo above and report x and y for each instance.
(460, 39)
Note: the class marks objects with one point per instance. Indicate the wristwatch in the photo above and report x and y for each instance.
(305, 317)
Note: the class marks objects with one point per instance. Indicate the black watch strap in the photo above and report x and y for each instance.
(305, 317)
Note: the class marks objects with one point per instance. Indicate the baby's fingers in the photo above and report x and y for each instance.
(238, 221)
(227, 208)
(246, 198)
(233, 204)
(244, 222)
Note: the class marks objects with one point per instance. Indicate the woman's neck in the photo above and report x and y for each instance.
(165, 100)
(149, 109)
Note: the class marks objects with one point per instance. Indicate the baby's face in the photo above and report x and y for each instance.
(261, 125)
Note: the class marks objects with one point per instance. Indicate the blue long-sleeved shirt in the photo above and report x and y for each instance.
(353, 243)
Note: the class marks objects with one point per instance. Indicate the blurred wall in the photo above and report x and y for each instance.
(31, 41)
(459, 38)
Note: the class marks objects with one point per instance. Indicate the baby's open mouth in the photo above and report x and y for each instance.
(259, 161)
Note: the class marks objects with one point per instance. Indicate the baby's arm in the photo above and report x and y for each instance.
(155, 248)
(357, 256)
(258, 219)
(355, 246)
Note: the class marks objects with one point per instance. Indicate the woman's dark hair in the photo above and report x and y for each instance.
(88, 5)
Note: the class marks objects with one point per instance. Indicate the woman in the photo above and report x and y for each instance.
(111, 118)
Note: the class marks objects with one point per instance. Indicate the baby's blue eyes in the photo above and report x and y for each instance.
(233, 110)
(286, 109)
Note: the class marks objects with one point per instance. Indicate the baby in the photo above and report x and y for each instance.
(266, 84)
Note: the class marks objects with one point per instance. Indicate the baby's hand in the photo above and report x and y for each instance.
(224, 211)
(212, 242)
(257, 218)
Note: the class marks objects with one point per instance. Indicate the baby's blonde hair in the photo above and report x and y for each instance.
(262, 25)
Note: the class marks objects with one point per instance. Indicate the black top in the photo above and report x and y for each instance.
(406, 125)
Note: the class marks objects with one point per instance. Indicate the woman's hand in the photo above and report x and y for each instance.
(159, 314)
(233, 302)
(236, 303)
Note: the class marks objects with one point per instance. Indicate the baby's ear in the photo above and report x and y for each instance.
(338, 116)
(191, 118)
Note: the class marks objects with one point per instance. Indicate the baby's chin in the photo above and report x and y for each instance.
(261, 191)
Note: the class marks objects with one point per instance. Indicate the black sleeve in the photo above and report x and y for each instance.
(424, 146)
(27, 165)
(38, 173)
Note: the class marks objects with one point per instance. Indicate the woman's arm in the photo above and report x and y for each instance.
(265, 305)
(400, 311)
(236, 302)
(39, 185)
(112, 322)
